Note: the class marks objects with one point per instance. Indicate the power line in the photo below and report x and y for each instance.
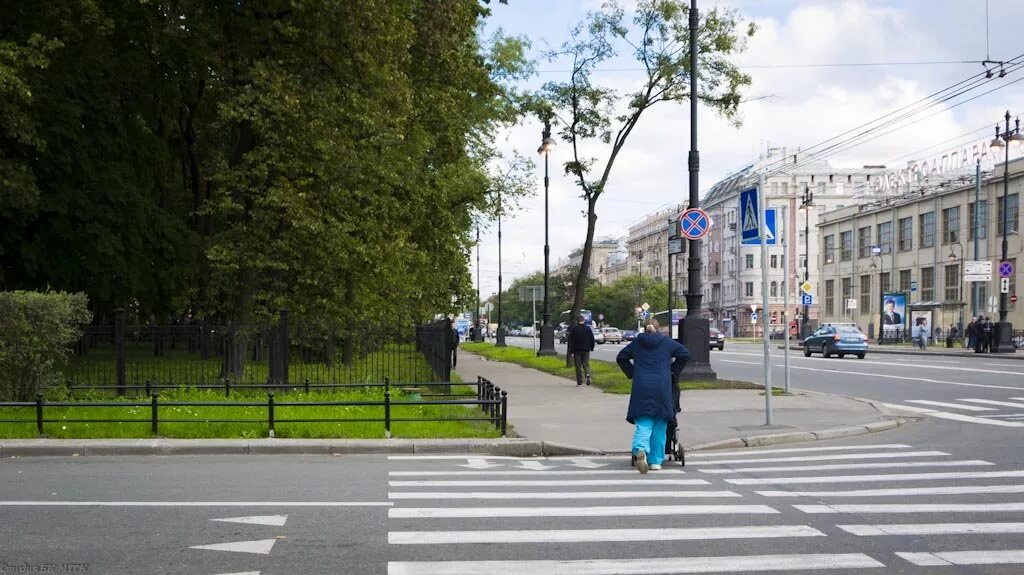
(798, 66)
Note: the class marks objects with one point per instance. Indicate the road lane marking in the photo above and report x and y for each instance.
(522, 473)
(259, 547)
(648, 566)
(952, 405)
(730, 453)
(558, 494)
(991, 402)
(275, 520)
(594, 535)
(887, 363)
(888, 376)
(602, 511)
(886, 465)
(952, 416)
(932, 529)
(949, 490)
(943, 558)
(196, 503)
(842, 457)
(889, 477)
(915, 508)
(636, 481)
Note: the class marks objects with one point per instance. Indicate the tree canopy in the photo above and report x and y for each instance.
(183, 157)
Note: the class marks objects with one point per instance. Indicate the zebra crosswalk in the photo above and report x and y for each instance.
(596, 516)
(1001, 413)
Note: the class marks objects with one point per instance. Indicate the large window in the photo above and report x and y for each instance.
(748, 289)
(981, 223)
(829, 248)
(1013, 285)
(775, 261)
(864, 242)
(905, 281)
(928, 230)
(774, 289)
(865, 293)
(749, 261)
(1014, 214)
(952, 282)
(884, 282)
(847, 245)
(927, 284)
(906, 231)
(847, 291)
(830, 297)
(885, 237)
(951, 225)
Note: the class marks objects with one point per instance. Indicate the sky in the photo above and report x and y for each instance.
(795, 102)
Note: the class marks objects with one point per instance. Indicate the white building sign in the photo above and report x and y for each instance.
(977, 271)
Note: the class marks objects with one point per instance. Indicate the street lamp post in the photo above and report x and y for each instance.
(499, 336)
(477, 335)
(547, 332)
(960, 281)
(695, 329)
(640, 289)
(876, 252)
(1002, 141)
(806, 205)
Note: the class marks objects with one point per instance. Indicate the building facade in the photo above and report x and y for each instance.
(601, 250)
(915, 244)
(647, 246)
(731, 271)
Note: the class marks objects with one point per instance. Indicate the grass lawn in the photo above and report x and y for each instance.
(605, 375)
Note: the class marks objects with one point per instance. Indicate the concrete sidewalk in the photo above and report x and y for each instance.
(549, 408)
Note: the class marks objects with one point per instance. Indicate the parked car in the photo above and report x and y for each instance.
(598, 335)
(563, 335)
(629, 335)
(837, 339)
(716, 339)
(611, 335)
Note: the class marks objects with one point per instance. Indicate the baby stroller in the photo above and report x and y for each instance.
(673, 445)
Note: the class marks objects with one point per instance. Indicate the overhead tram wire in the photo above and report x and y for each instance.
(916, 106)
(811, 154)
(962, 139)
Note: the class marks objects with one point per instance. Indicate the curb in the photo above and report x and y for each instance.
(798, 436)
(100, 447)
(1014, 356)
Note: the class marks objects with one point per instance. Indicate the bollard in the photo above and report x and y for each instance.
(496, 408)
(387, 414)
(39, 413)
(504, 414)
(154, 401)
(270, 412)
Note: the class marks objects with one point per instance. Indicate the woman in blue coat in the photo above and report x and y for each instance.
(651, 361)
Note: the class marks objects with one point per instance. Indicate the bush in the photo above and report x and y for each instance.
(37, 331)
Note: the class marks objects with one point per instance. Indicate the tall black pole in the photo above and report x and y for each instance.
(694, 329)
(547, 332)
(806, 204)
(477, 335)
(1004, 330)
(499, 336)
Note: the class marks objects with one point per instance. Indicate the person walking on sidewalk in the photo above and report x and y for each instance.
(651, 360)
(988, 332)
(453, 342)
(970, 332)
(581, 343)
(920, 334)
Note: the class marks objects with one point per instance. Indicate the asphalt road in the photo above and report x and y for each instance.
(963, 387)
(756, 511)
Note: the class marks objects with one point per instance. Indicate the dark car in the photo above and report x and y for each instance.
(628, 335)
(716, 339)
(839, 340)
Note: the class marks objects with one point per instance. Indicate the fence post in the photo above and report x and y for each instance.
(148, 390)
(306, 385)
(154, 417)
(479, 388)
(270, 412)
(387, 414)
(39, 413)
(387, 385)
(227, 387)
(496, 408)
(119, 329)
(504, 414)
(284, 343)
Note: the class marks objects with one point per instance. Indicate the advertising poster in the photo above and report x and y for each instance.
(923, 318)
(894, 314)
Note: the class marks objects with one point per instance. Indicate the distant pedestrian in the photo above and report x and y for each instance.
(988, 334)
(970, 332)
(472, 333)
(581, 343)
(652, 361)
(951, 336)
(920, 333)
(453, 341)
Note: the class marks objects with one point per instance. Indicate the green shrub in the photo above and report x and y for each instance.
(37, 331)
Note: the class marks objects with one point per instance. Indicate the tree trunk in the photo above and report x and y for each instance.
(581, 275)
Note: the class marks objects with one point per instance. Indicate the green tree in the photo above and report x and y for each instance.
(591, 114)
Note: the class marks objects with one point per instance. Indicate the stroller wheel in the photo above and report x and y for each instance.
(680, 456)
(632, 460)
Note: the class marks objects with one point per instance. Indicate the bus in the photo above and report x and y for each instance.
(588, 317)
(669, 325)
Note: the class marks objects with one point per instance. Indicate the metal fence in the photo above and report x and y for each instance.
(490, 399)
(282, 352)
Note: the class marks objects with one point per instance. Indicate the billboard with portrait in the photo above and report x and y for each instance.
(894, 314)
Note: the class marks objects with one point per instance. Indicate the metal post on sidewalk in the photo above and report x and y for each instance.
(782, 232)
(761, 231)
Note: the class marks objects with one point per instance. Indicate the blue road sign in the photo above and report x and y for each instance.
(913, 286)
(749, 214)
(694, 223)
(770, 220)
(806, 299)
(753, 316)
(1005, 269)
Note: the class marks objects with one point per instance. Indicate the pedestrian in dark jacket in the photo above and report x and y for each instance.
(651, 360)
(581, 343)
(453, 341)
(969, 332)
(989, 330)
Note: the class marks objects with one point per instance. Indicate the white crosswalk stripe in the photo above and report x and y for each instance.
(447, 518)
(951, 405)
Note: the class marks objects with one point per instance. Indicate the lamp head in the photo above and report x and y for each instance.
(546, 146)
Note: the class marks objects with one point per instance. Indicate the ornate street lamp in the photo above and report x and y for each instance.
(806, 205)
(547, 331)
(1002, 142)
